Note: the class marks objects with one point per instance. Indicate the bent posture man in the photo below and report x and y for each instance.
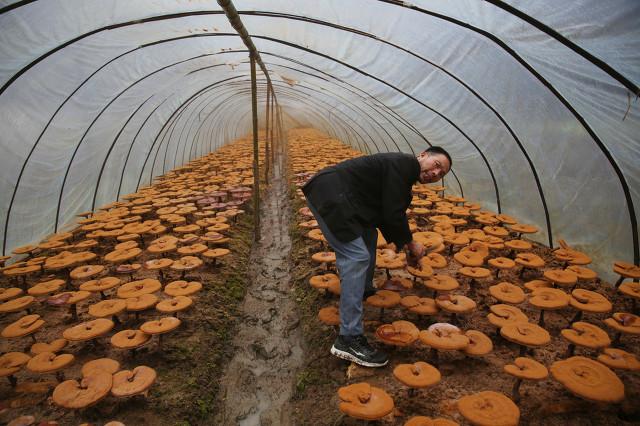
(350, 200)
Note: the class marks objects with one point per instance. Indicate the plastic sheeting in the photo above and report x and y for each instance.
(100, 96)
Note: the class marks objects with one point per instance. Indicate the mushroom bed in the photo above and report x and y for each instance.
(165, 370)
(542, 402)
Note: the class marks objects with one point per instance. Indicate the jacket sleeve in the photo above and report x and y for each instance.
(396, 196)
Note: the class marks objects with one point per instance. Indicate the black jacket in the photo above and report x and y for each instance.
(365, 192)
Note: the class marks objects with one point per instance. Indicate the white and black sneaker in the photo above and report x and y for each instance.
(357, 349)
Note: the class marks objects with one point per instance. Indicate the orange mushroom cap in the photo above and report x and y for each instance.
(323, 281)
(526, 368)
(417, 375)
(589, 301)
(420, 305)
(502, 315)
(479, 343)
(87, 392)
(489, 408)
(444, 336)
(525, 333)
(549, 298)
(12, 362)
(129, 339)
(329, 315)
(507, 293)
(617, 358)
(588, 379)
(48, 362)
(384, 299)
(161, 326)
(363, 401)
(138, 288)
(587, 335)
(55, 346)
(88, 330)
(109, 365)
(22, 327)
(441, 282)
(175, 304)
(398, 333)
(134, 382)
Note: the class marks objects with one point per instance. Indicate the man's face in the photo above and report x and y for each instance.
(432, 167)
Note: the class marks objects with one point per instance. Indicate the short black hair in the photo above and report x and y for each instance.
(440, 150)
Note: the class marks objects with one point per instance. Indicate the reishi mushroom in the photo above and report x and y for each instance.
(363, 401)
(418, 375)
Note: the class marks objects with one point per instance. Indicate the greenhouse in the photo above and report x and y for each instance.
(319, 213)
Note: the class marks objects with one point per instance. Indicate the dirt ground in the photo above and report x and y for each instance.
(189, 363)
(543, 403)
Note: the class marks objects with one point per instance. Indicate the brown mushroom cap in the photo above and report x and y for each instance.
(75, 296)
(55, 346)
(417, 375)
(562, 277)
(589, 301)
(624, 322)
(389, 259)
(88, 330)
(469, 258)
(138, 288)
(583, 273)
(507, 293)
(526, 368)
(626, 269)
(186, 263)
(48, 362)
(194, 249)
(182, 288)
(630, 288)
(161, 326)
(422, 270)
(435, 260)
(215, 253)
(46, 287)
(617, 358)
(587, 335)
(501, 263)
(489, 408)
(12, 362)
(129, 339)
(90, 390)
(428, 421)
(324, 281)
(384, 299)
(9, 293)
(329, 315)
(142, 302)
(444, 336)
(518, 244)
(549, 298)
(107, 308)
(363, 401)
(529, 260)
(17, 304)
(474, 272)
(174, 304)
(398, 333)
(122, 255)
(525, 333)
(455, 303)
(589, 379)
(24, 326)
(479, 343)
(85, 271)
(128, 383)
(102, 364)
(155, 264)
(101, 284)
(441, 282)
(533, 284)
(420, 305)
(502, 315)
(17, 271)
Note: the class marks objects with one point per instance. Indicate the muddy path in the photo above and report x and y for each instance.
(258, 381)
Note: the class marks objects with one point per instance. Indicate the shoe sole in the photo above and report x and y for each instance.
(347, 356)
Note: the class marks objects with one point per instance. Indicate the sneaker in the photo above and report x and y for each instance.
(357, 349)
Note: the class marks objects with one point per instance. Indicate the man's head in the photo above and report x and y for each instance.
(435, 162)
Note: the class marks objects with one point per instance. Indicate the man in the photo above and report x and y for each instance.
(349, 201)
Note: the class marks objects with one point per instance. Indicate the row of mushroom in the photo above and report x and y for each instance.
(485, 283)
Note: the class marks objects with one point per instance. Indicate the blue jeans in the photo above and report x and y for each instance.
(356, 261)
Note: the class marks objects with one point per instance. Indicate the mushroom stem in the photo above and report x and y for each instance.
(522, 272)
(571, 349)
(74, 312)
(541, 319)
(115, 320)
(161, 274)
(159, 340)
(60, 376)
(24, 282)
(12, 380)
(523, 350)
(516, 391)
(497, 272)
(434, 356)
(577, 317)
(33, 337)
(619, 281)
(381, 313)
(102, 296)
(412, 392)
(616, 340)
(388, 273)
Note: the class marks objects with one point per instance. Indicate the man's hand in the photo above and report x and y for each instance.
(415, 251)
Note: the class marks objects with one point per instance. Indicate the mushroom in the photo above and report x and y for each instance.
(325, 258)
(526, 335)
(617, 358)
(215, 254)
(186, 263)
(521, 228)
(571, 256)
(501, 263)
(626, 270)
(475, 273)
(585, 334)
(502, 315)
(329, 315)
(479, 343)
(420, 305)
(548, 299)
(363, 401)
(122, 255)
(88, 330)
(46, 287)
(49, 362)
(588, 301)
(108, 365)
(584, 274)
(534, 284)
(108, 307)
(138, 288)
(398, 333)
(100, 285)
(441, 282)
(418, 375)
(22, 272)
(428, 421)
(324, 281)
(140, 303)
(525, 369)
(489, 408)
(456, 240)
(623, 322)
(528, 261)
(160, 327)
(16, 305)
(469, 258)
(129, 339)
(10, 293)
(182, 288)
(128, 268)
(174, 305)
(70, 298)
(388, 259)
(129, 383)
(443, 336)
(496, 231)
(27, 325)
(192, 249)
(435, 260)
(384, 299)
(455, 304)
(517, 246)
(158, 265)
(11, 363)
(561, 277)
(588, 379)
(55, 346)
(85, 271)
(395, 283)
(507, 293)
(89, 391)
(421, 270)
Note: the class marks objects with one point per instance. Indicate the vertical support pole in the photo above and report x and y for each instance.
(267, 156)
(256, 156)
(272, 126)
